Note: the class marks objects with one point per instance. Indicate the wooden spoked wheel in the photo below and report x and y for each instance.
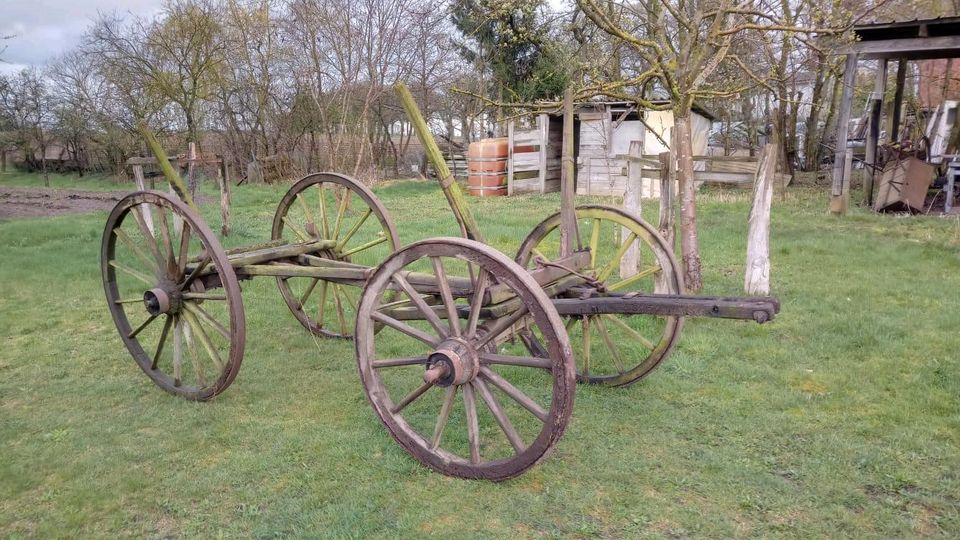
(173, 295)
(330, 206)
(448, 375)
(615, 350)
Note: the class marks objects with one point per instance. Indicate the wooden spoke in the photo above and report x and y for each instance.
(350, 300)
(133, 333)
(379, 240)
(204, 338)
(137, 251)
(306, 293)
(444, 415)
(171, 260)
(411, 397)
(417, 300)
(605, 336)
(194, 357)
(533, 344)
(636, 335)
(306, 209)
(163, 340)
(473, 426)
(201, 313)
(194, 273)
(515, 393)
(522, 361)
(202, 296)
(501, 326)
(338, 305)
(446, 295)
(634, 278)
(500, 416)
(570, 323)
(322, 305)
(148, 236)
(177, 350)
(353, 230)
(585, 322)
(394, 362)
(344, 201)
(615, 261)
(476, 303)
(594, 242)
(296, 230)
(405, 328)
(131, 272)
(323, 211)
(184, 251)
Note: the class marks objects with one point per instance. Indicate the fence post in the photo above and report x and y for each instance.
(631, 203)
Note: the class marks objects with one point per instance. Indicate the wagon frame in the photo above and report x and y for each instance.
(160, 262)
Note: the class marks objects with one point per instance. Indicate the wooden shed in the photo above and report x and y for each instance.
(603, 131)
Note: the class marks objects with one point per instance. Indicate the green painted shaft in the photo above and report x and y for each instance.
(164, 162)
(461, 211)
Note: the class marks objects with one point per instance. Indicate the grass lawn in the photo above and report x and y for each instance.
(840, 418)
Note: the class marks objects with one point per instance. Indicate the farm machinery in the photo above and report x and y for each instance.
(469, 357)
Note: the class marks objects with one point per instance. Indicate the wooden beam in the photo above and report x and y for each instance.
(910, 48)
(898, 101)
(840, 190)
(873, 132)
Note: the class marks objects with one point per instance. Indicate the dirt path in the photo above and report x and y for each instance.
(38, 202)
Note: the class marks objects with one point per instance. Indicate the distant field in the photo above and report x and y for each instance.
(840, 418)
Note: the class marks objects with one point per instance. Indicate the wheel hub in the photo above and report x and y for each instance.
(455, 361)
(160, 300)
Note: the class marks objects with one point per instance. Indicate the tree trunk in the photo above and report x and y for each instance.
(689, 246)
(757, 276)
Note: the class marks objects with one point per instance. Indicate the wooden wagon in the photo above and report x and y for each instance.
(435, 323)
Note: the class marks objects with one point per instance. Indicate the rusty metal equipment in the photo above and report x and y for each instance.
(468, 357)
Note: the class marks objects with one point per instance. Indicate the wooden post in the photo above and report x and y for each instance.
(631, 203)
(894, 135)
(543, 128)
(665, 223)
(452, 191)
(510, 129)
(192, 168)
(141, 186)
(223, 181)
(569, 235)
(757, 276)
(841, 185)
(873, 133)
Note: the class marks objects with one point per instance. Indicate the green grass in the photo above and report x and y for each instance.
(840, 418)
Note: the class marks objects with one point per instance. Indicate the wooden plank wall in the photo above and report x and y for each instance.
(534, 157)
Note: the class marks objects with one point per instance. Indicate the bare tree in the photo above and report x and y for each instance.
(27, 105)
(684, 43)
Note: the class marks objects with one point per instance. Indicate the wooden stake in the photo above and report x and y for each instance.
(468, 226)
(757, 276)
(192, 168)
(223, 181)
(840, 192)
(873, 132)
(631, 203)
(666, 199)
(569, 235)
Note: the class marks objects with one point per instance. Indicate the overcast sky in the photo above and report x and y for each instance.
(43, 29)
